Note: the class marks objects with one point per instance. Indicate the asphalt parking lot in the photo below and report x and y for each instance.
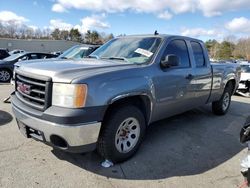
(194, 149)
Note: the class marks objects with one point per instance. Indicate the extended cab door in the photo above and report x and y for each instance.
(202, 78)
(173, 89)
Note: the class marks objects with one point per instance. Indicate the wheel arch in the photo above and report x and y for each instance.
(6, 68)
(233, 84)
(142, 101)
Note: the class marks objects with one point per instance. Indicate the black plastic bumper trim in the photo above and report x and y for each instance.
(61, 115)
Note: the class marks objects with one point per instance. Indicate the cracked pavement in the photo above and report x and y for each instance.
(194, 149)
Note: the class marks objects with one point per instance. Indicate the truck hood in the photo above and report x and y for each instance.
(65, 71)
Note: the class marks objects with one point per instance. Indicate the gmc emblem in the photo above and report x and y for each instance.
(23, 88)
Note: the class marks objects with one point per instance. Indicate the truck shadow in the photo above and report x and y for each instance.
(187, 144)
(5, 117)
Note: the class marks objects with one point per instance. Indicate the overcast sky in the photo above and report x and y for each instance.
(202, 19)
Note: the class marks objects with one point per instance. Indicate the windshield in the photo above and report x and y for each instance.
(75, 52)
(245, 68)
(131, 50)
(12, 57)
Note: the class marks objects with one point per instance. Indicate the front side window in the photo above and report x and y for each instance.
(198, 54)
(178, 48)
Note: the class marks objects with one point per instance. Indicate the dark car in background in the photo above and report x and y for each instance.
(7, 64)
(4, 53)
(76, 52)
(79, 51)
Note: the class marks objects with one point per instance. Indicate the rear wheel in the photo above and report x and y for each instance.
(221, 107)
(121, 134)
(5, 75)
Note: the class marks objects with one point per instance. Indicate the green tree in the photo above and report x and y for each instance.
(215, 51)
(64, 35)
(56, 34)
(210, 44)
(226, 50)
(75, 35)
(212, 47)
(93, 37)
(88, 36)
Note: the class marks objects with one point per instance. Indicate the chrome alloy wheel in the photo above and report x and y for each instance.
(4, 75)
(127, 135)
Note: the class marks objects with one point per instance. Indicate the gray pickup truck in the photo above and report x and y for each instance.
(106, 101)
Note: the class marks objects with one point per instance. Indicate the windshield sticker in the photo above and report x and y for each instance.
(144, 52)
(84, 48)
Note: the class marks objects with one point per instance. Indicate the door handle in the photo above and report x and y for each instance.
(189, 76)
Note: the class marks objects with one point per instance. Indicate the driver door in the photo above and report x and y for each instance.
(174, 91)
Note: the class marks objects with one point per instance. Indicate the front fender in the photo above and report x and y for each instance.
(110, 91)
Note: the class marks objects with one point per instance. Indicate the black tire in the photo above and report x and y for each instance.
(219, 107)
(3, 74)
(107, 146)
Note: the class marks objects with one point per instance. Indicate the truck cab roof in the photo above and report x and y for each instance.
(163, 36)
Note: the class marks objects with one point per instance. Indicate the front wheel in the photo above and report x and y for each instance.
(221, 107)
(122, 134)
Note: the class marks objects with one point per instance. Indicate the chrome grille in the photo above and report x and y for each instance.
(34, 92)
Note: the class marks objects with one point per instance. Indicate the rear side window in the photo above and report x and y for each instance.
(198, 54)
(178, 48)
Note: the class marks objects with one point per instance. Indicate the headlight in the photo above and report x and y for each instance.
(69, 95)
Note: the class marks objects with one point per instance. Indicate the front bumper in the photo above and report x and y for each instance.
(78, 137)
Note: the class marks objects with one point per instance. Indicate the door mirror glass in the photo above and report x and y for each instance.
(170, 61)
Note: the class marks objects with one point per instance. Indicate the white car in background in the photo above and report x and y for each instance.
(244, 86)
(16, 51)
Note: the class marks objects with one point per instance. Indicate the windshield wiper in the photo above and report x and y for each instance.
(93, 56)
(63, 57)
(116, 58)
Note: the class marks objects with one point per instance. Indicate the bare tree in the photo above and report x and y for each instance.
(2, 30)
(11, 29)
(242, 49)
(30, 33)
(38, 33)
